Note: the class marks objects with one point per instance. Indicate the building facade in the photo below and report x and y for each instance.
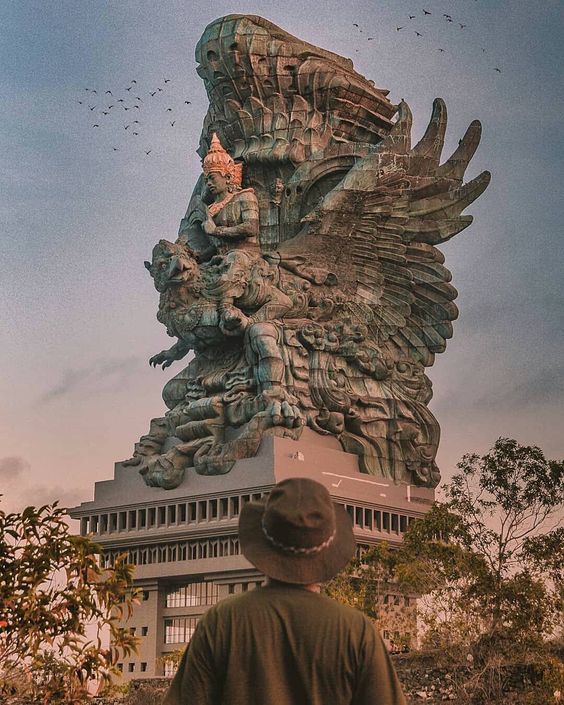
(184, 544)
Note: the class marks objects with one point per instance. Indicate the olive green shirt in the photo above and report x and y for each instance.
(283, 645)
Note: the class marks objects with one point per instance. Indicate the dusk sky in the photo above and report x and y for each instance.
(81, 208)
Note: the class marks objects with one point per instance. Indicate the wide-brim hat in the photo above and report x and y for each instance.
(297, 534)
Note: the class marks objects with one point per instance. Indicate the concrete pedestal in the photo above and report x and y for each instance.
(184, 544)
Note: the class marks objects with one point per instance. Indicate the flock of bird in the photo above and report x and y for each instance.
(445, 17)
(107, 108)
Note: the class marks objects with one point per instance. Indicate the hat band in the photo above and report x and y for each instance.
(298, 549)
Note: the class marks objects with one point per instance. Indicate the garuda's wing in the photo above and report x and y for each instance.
(377, 231)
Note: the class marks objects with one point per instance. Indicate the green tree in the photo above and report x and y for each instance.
(488, 561)
(58, 608)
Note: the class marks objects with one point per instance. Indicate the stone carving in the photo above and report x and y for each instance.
(306, 277)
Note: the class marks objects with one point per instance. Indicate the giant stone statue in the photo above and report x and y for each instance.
(306, 278)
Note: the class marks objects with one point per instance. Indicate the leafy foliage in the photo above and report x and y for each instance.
(58, 608)
(487, 563)
(488, 567)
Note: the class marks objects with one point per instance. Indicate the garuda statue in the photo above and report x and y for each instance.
(306, 277)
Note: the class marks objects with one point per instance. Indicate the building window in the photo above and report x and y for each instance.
(132, 630)
(192, 595)
(179, 630)
(378, 520)
(120, 667)
(203, 510)
(234, 506)
(145, 595)
(143, 666)
(131, 667)
(144, 631)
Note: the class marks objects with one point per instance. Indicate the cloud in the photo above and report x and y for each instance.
(103, 375)
(40, 495)
(12, 467)
(546, 386)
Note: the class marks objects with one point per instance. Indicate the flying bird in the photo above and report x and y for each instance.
(498, 70)
(110, 107)
(442, 50)
(153, 94)
(80, 102)
(160, 90)
(462, 25)
(398, 29)
(115, 149)
(426, 12)
(354, 25)
(121, 100)
(133, 80)
(411, 17)
(138, 98)
(126, 108)
(92, 107)
(167, 80)
(95, 125)
(136, 122)
(445, 15)
(106, 93)
(149, 152)
(418, 34)
(105, 113)
(125, 127)
(169, 110)
(136, 106)
(187, 102)
(135, 133)
(369, 39)
(173, 123)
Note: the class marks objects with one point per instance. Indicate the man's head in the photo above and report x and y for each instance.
(297, 535)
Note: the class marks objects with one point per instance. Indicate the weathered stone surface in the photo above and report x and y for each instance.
(306, 277)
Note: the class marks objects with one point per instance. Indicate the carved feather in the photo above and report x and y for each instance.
(378, 229)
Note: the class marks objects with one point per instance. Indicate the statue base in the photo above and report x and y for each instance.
(184, 545)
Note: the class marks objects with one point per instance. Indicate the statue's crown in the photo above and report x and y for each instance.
(220, 161)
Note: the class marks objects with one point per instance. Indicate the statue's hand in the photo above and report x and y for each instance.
(209, 227)
(164, 358)
(233, 321)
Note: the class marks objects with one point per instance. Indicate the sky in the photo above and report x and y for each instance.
(81, 208)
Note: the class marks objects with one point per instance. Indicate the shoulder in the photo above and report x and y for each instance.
(246, 195)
